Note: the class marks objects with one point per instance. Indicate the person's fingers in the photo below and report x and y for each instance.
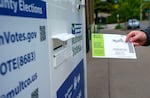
(138, 38)
(136, 44)
(135, 38)
(129, 36)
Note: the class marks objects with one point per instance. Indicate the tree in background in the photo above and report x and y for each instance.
(101, 6)
(125, 8)
(129, 9)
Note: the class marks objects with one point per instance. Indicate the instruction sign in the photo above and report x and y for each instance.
(23, 49)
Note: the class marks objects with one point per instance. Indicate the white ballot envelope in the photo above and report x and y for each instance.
(112, 46)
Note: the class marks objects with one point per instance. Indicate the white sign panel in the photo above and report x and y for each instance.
(24, 60)
(65, 20)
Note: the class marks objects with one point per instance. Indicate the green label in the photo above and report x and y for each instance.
(98, 45)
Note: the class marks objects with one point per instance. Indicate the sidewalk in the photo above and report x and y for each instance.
(119, 78)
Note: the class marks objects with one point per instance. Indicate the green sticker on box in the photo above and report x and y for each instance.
(98, 45)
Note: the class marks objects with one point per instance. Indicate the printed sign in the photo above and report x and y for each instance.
(73, 87)
(23, 8)
(24, 49)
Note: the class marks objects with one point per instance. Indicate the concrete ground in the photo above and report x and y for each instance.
(119, 78)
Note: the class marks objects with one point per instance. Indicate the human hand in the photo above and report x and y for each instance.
(138, 38)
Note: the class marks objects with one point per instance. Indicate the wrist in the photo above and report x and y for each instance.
(147, 38)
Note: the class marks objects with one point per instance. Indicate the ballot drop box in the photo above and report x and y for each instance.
(42, 49)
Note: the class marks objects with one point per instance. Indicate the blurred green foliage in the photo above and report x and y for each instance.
(125, 8)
